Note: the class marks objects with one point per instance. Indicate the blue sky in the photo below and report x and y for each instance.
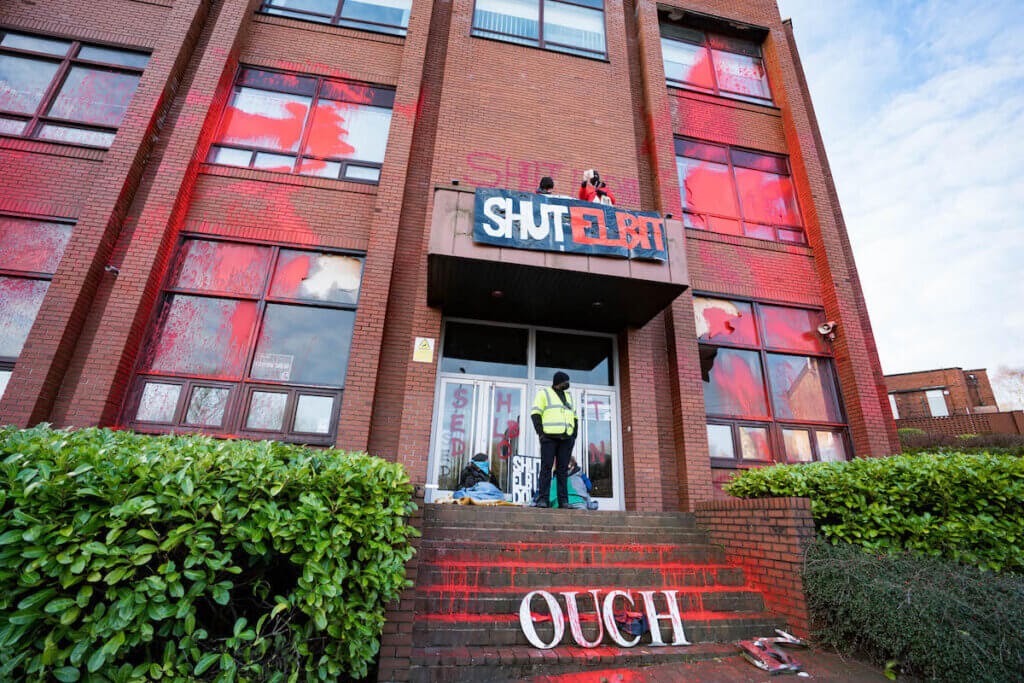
(921, 105)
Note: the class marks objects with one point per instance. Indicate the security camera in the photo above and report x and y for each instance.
(827, 330)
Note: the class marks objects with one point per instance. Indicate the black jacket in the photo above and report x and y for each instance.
(473, 475)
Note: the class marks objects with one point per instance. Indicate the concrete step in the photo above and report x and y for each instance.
(441, 600)
(440, 551)
(536, 518)
(489, 575)
(494, 630)
(565, 534)
(505, 664)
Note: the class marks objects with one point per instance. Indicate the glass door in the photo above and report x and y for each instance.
(477, 416)
(597, 448)
(489, 375)
(456, 433)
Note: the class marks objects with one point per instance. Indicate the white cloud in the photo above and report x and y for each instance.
(922, 110)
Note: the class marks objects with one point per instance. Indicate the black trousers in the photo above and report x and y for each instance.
(555, 452)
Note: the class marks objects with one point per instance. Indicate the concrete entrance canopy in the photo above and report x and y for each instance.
(473, 280)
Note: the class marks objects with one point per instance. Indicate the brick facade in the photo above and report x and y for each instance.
(481, 111)
(971, 405)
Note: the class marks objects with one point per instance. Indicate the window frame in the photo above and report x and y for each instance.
(741, 218)
(775, 424)
(7, 363)
(307, 125)
(240, 389)
(894, 406)
(705, 45)
(933, 397)
(266, 8)
(70, 59)
(540, 42)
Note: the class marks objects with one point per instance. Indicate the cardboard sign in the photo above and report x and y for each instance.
(522, 220)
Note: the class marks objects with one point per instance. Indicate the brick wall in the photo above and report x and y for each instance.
(396, 640)
(1007, 422)
(767, 537)
(963, 394)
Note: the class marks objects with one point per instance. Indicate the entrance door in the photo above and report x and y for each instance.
(477, 416)
(597, 448)
(489, 375)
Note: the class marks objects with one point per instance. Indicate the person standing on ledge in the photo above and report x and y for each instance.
(593, 189)
(556, 424)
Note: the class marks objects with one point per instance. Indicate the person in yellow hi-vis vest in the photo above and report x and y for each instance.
(554, 419)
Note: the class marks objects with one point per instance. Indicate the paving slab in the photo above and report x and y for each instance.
(819, 666)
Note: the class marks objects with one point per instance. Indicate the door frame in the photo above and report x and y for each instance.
(529, 444)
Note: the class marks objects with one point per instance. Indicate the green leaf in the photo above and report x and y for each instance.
(96, 661)
(207, 660)
(220, 595)
(66, 674)
(58, 605)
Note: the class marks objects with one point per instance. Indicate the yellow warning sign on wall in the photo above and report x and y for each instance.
(423, 350)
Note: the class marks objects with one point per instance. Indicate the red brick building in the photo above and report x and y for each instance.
(950, 401)
(259, 219)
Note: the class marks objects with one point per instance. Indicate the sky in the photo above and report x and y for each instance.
(921, 106)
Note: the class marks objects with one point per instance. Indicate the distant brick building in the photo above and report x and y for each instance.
(240, 218)
(950, 401)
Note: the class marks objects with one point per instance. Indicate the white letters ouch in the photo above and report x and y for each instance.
(605, 613)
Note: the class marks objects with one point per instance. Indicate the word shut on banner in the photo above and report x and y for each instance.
(522, 220)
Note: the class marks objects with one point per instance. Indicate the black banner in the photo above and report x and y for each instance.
(521, 220)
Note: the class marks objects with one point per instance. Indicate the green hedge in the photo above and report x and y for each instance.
(127, 557)
(915, 441)
(935, 619)
(963, 507)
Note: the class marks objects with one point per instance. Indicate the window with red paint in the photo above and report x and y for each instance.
(292, 123)
(572, 26)
(710, 62)
(29, 253)
(65, 90)
(737, 192)
(382, 16)
(250, 339)
(770, 391)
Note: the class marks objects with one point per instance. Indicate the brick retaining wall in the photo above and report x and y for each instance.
(766, 538)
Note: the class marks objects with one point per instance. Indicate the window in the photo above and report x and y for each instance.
(383, 16)
(937, 403)
(770, 391)
(290, 123)
(894, 407)
(576, 26)
(736, 192)
(29, 253)
(250, 339)
(721, 65)
(65, 90)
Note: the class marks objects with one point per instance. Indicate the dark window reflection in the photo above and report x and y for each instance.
(587, 360)
(485, 350)
(304, 345)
